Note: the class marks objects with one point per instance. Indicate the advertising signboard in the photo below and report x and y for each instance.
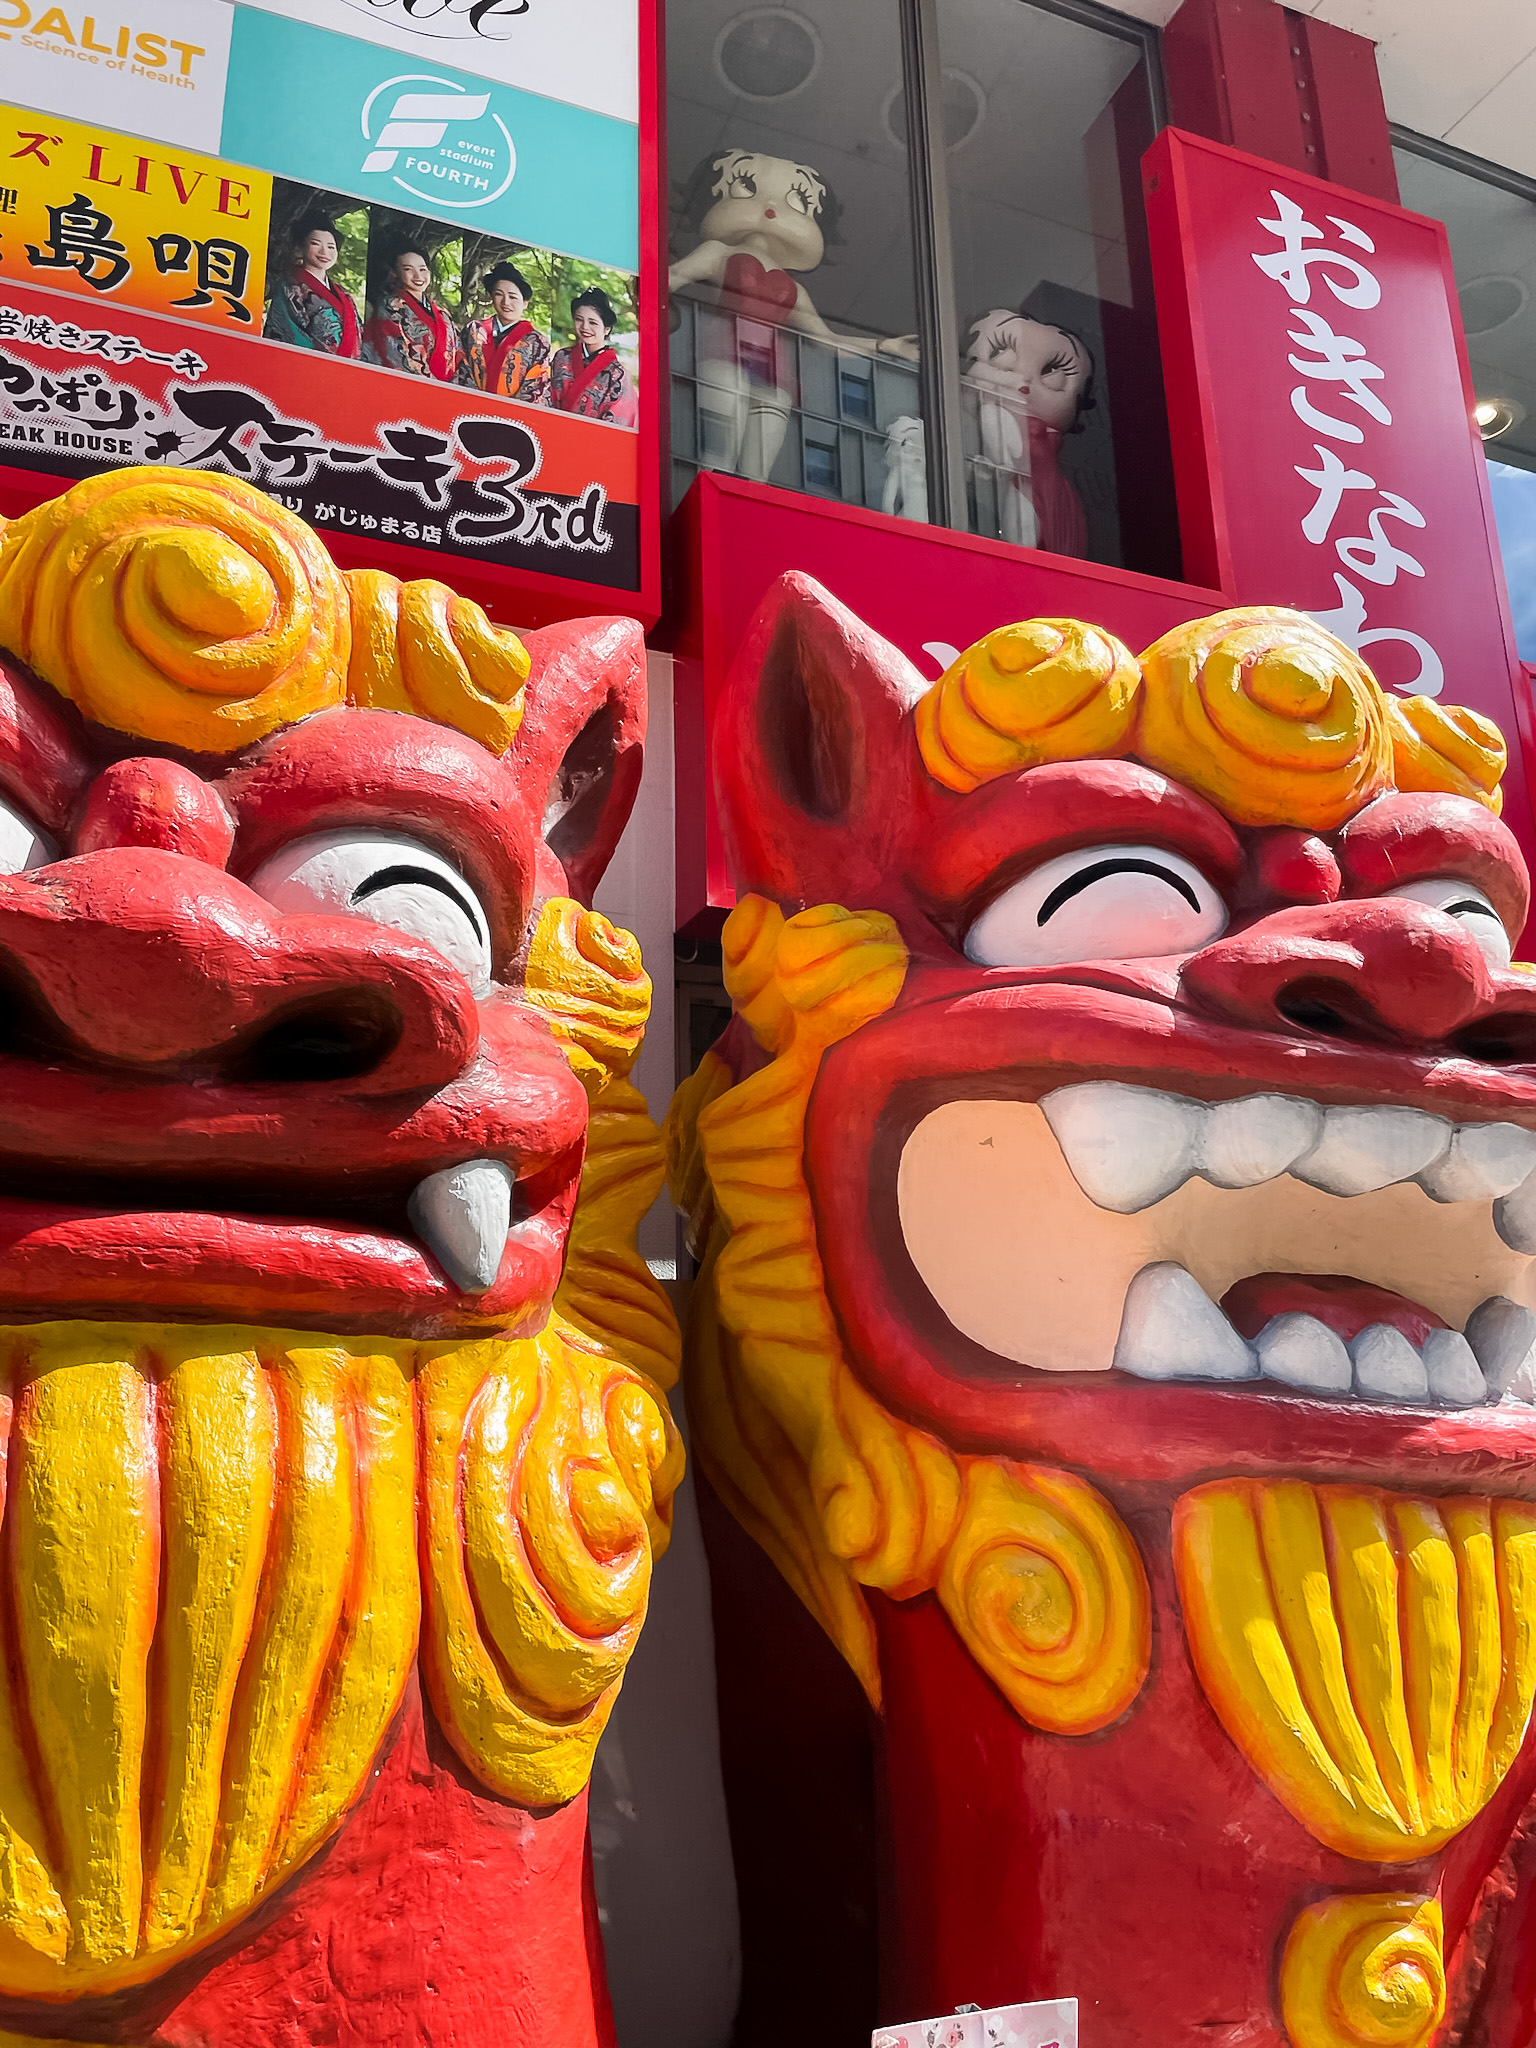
(426, 320)
(1321, 417)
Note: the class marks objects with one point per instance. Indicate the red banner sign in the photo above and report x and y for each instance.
(369, 455)
(1321, 416)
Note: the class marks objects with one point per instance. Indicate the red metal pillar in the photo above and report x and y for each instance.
(1281, 85)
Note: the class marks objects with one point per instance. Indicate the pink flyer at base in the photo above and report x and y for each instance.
(1049, 2023)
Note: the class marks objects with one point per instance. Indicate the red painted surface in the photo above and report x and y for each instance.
(1283, 85)
(1238, 346)
(1145, 1870)
(914, 584)
(1231, 76)
(162, 1154)
(160, 976)
(440, 1918)
(1351, 114)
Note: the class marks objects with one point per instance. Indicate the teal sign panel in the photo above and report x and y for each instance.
(326, 109)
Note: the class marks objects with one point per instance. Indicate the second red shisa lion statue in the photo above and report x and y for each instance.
(335, 1452)
(1117, 1192)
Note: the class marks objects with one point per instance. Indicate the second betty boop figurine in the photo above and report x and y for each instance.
(1033, 384)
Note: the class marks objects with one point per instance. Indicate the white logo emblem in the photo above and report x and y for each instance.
(430, 137)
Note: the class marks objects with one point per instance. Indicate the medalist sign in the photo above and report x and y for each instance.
(148, 67)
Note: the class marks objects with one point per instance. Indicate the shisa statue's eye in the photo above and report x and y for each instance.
(389, 880)
(1100, 903)
(1471, 909)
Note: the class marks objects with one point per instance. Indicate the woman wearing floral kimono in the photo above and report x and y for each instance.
(307, 310)
(587, 377)
(504, 352)
(408, 329)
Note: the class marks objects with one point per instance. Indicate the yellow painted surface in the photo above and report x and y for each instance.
(1369, 1653)
(176, 232)
(1046, 690)
(217, 1594)
(419, 647)
(1259, 709)
(192, 609)
(1365, 1970)
(1033, 1566)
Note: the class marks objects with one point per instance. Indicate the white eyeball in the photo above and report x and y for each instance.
(386, 879)
(1469, 906)
(1100, 903)
(22, 846)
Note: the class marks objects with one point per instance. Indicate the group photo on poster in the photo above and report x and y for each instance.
(424, 297)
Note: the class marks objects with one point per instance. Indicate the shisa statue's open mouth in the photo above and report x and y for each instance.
(1263, 1239)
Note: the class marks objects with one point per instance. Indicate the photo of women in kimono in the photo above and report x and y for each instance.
(408, 329)
(504, 353)
(307, 310)
(587, 377)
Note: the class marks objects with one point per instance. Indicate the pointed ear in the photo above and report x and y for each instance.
(579, 749)
(813, 753)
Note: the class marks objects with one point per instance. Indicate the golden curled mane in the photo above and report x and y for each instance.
(190, 608)
(1259, 709)
(1033, 1567)
(531, 1622)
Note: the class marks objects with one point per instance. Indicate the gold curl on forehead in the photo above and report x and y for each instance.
(1259, 709)
(1268, 715)
(191, 608)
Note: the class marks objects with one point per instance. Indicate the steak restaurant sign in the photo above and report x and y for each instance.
(1321, 414)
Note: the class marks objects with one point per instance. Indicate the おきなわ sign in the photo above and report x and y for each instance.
(1320, 409)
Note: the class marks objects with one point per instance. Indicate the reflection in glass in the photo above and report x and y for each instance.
(1492, 234)
(1065, 445)
(793, 301)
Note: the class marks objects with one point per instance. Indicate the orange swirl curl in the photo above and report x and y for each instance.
(187, 608)
(1447, 747)
(1269, 716)
(1044, 690)
(418, 647)
(586, 975)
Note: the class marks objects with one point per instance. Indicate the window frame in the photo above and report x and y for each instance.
(938, 321)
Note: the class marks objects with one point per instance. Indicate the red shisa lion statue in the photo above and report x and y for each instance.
(335, 1452)
(1117, 1201)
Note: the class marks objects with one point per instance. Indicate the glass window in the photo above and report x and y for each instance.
(1064, 434)
(792, 288)
(1514, 507)
(1492, 234)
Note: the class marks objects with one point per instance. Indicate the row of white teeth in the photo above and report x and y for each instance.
(1129, 1147)
(464, 1217)
(1172, 1330)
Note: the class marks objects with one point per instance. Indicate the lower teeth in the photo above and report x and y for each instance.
(1172, 1330)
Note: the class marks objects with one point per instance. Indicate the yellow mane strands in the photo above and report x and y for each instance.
(838, 1491)
(1259, 709)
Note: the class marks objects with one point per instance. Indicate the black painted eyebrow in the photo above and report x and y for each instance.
(1469, 903)
(387, 878)
(1128, 865)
